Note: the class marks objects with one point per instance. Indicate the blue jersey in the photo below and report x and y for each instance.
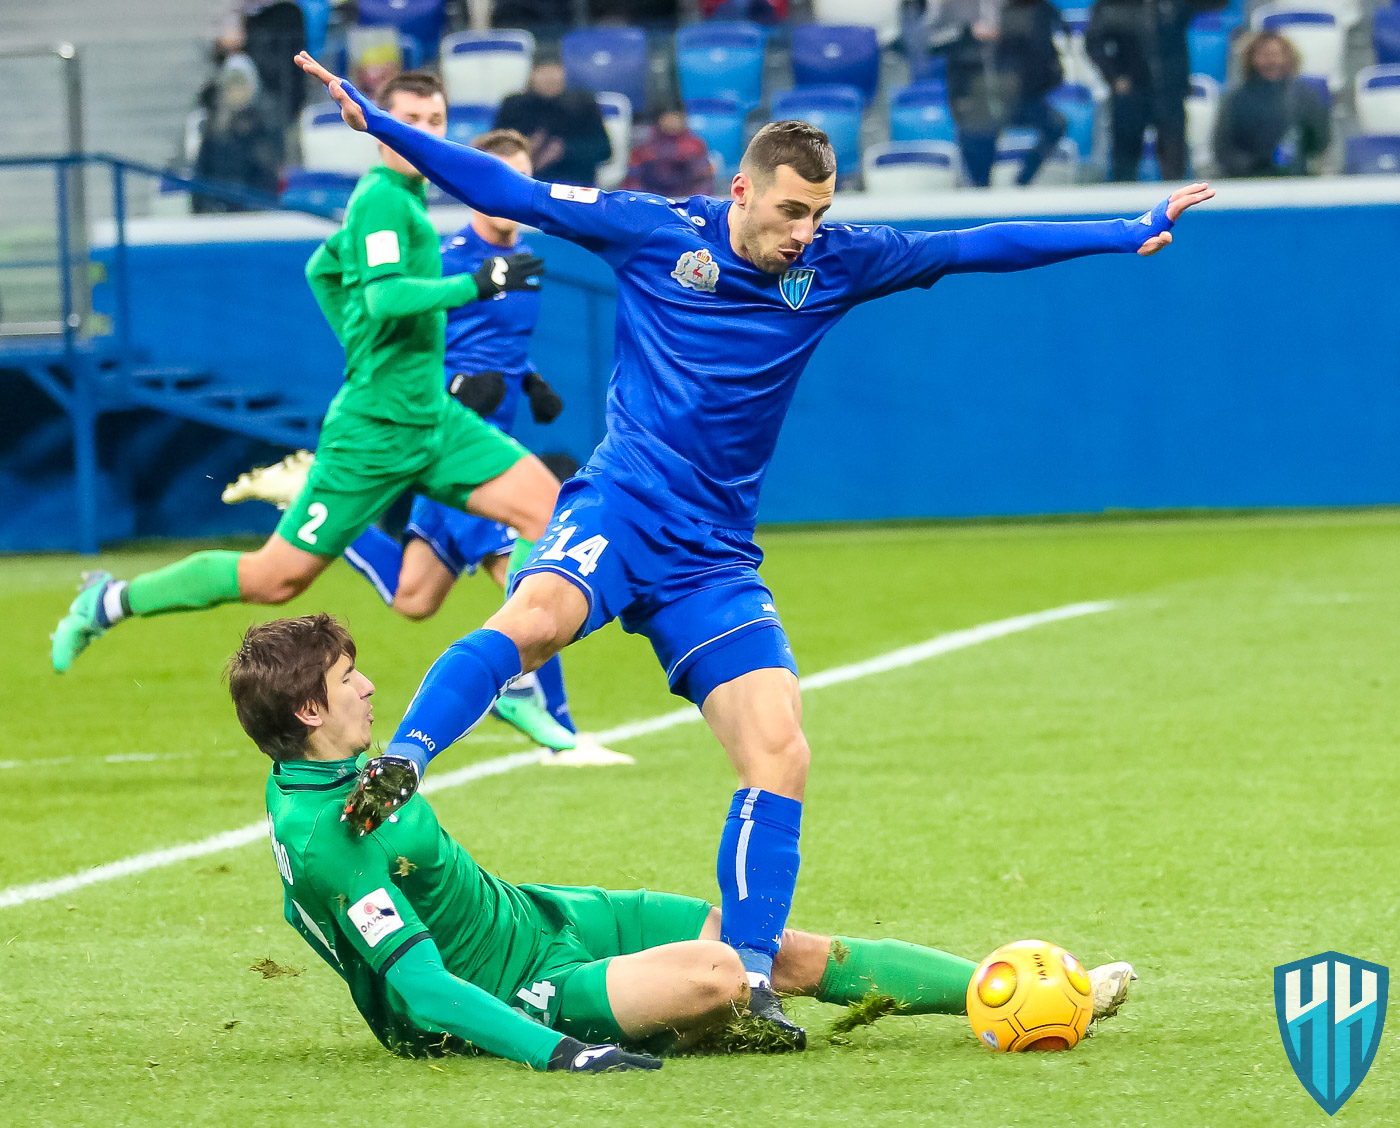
(494, 335)
(709, 347)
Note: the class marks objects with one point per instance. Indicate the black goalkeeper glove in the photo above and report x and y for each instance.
(386, 783)
(576, 1057)
(508, 272)
(545, 404)
(483, 392)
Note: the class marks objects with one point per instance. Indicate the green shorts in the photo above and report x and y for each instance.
(363, 464)
(568, 987)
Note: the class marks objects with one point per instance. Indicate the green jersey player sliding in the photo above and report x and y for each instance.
(439, 954)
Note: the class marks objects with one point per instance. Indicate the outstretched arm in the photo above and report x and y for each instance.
(888, 261)
(1000, 247)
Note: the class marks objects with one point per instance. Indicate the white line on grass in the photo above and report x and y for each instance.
(230, 839)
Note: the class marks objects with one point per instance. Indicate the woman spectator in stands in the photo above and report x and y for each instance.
(1272, 124)
(568, 140)
(672, 162)
(242, 143)
(1002, 65)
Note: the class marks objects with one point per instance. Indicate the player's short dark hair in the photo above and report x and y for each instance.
(420, 82)
(798, 144)
(502, 142)
(280, 668)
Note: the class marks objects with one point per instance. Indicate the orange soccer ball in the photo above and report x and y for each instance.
(1030, 995)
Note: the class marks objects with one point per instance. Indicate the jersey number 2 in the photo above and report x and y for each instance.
(316, 513)
(585, 555)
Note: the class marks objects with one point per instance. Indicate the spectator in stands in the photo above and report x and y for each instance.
(1140, 47)
(1002, 65)
(1271, 124)
(274, 31)
(672, 162)
(242, 144)
(568, 140)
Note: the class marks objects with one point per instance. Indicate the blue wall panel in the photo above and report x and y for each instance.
(1254, 363)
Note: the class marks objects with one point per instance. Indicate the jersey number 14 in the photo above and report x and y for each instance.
(585, 554)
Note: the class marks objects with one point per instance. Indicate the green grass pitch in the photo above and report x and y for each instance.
(1202, 780)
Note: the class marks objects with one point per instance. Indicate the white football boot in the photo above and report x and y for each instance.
(1110, 982)
(586, 753)
(279, 483)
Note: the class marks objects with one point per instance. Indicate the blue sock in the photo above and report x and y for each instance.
(377, 557)
(457, 692)
(556, 700)
(757, 872)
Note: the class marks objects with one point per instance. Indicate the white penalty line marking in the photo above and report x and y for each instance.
(243, 836)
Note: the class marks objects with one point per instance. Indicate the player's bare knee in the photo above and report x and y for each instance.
(720, 981)
(415, 605)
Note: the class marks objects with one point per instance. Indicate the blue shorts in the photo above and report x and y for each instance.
(691, 588)
(460, 540)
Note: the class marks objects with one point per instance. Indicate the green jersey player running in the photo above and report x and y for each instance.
(438, 954)
(391, 427)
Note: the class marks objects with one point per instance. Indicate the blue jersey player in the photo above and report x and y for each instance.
(720, 304)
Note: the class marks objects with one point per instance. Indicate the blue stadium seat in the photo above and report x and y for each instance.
(608, 58)
(719, 122)
(836, 56)
(1208, 42)
(919, 112)
(316, 14)
(468, 120)
(307, 188)
(834, 108)
(422, 20)
(1319, 87)
(1373, 155)
(1076, 102)
(721, 60)
(1385, 34)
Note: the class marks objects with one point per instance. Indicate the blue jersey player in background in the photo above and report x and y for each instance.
(720, 305)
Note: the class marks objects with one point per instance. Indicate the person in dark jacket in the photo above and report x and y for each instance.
(1140, 47)
(1271, 124)
(568, 140)
(1001, 66)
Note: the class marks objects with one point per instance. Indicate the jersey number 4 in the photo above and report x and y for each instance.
(585, 555)
(537, 996)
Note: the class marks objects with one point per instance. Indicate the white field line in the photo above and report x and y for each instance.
(230, 839)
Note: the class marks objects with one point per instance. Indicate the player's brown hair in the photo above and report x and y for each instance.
(420, 82)
(502, 142)
(280, 668)
(798, 144)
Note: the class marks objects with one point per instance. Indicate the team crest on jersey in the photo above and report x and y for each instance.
(697, 270)
(795, 284)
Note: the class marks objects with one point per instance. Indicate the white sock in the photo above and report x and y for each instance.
(758, 979)
(525, 684)
(112, 607)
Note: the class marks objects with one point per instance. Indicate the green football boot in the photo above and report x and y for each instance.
(527, 713)
(77, 629)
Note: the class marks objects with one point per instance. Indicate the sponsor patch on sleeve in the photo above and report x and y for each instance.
(574, 192)
(381, 247)
(375, 917)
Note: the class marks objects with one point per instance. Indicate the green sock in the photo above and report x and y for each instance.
(924, 980)
(205, 579)
(518, 555)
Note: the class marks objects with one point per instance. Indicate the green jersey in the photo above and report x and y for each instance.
(393, 363)
(363, 902)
